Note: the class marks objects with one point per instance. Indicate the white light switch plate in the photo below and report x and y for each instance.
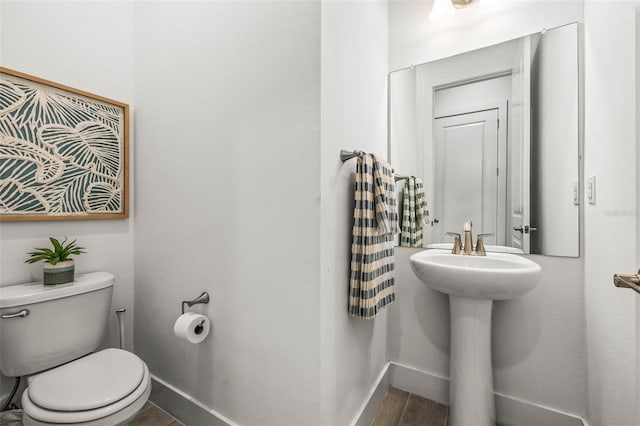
(591, 190)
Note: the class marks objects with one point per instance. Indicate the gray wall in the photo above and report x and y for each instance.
(228, 131)
(610, 155)
(354, 69)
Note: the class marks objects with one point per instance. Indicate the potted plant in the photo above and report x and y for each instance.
(58, 267)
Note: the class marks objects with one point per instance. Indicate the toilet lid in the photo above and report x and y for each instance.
(94, 381)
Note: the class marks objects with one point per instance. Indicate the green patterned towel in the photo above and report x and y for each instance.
(371, 286)
(414, 213)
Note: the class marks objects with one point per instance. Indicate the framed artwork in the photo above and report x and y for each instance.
(64, 153)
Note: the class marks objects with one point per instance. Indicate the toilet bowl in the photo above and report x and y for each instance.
(50, 334)
(105, 388)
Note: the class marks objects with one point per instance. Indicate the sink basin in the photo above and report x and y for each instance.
(496, 276)
(473, 283)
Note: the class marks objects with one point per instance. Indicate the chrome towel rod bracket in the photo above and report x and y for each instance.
(348, 155)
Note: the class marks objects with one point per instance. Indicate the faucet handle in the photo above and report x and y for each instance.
(487, 234)
(457, 243)
(480, 251)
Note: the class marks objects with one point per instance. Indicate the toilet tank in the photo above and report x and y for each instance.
(64, 322)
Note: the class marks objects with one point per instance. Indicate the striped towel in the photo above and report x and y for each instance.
(414, 213)
(371, 286)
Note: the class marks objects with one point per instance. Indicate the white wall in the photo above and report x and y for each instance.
(610, 155)
(228, 184)
(539, 340)
(354, 97)
(85, 46)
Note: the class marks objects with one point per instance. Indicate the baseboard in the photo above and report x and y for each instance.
(183, 407)
(419, 382)
(366, 413)
(192, 412)
(510, 411)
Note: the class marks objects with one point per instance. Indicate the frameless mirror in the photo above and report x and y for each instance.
(494, 135)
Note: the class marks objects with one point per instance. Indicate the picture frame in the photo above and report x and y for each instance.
(64, 152)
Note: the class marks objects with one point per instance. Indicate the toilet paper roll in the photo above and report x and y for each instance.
(192, 327)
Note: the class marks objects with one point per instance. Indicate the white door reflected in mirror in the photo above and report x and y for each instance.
(467, 170)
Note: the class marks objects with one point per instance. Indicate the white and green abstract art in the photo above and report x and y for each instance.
(63, 152)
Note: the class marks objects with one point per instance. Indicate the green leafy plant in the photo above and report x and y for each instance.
(60, 252)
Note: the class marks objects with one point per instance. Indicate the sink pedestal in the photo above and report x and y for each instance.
(473, 283)
(471, 401)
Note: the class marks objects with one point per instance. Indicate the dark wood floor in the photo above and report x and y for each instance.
(400, 408)
(152, 415)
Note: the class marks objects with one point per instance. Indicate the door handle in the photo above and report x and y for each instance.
(525, 229)
(627, 281)
(23, 313)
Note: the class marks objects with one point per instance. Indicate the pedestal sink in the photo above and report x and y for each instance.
(473, 283)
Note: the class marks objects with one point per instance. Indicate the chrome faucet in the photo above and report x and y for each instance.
(468, 243)
(480, 244)
(468, 249)
(457, 243)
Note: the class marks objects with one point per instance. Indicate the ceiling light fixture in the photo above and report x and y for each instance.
(459, 4)
(444, 8)
(441, 9)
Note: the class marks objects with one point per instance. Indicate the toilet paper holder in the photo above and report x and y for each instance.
(203, 298)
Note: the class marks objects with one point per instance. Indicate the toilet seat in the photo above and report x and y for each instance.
(87, 389)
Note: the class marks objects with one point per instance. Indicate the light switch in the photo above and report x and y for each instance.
(591, 190)
(576, 198)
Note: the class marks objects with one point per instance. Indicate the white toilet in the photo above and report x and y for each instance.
(49, 333)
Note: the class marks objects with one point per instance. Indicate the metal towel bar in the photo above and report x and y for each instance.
(346, 155)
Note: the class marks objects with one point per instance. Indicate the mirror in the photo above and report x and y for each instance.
(494, 135)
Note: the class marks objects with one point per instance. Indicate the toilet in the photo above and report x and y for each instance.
(50, 334)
